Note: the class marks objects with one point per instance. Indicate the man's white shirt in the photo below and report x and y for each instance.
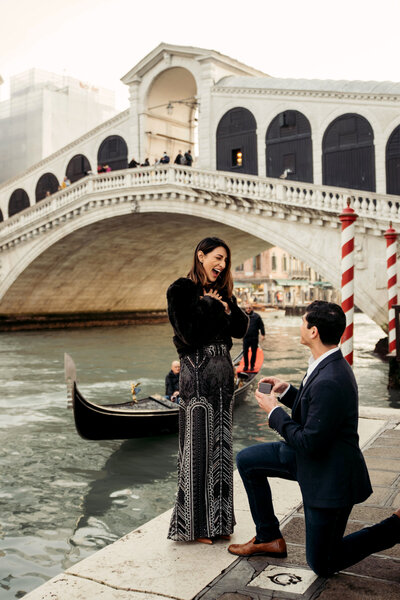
(312, 365)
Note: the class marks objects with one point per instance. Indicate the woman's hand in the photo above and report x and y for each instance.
(214, 294)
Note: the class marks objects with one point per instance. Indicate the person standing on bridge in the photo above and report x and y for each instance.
(205, 316)
(189, 158)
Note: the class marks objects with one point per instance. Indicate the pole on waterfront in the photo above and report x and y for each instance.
(348, 218)
(391, 255)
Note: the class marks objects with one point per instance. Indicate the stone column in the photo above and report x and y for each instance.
(135, 125)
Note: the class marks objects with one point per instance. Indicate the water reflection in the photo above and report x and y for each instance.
(126, 473)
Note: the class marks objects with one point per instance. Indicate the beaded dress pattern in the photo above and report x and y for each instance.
(204, 502)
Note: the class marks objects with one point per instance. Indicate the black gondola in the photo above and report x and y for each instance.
(154, 415)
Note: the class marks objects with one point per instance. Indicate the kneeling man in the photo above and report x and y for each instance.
(320, 450)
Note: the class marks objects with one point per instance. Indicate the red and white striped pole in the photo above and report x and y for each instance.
(391, 251)
(348, 218)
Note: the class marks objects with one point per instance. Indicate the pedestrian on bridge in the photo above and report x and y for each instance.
(205, 316)
(188, 158)
(133, 164)
(179, 159)
(164, 160)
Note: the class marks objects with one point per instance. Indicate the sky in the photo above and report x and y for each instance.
(99, 41)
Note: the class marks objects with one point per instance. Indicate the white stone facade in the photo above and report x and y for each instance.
(45, 112)
(220, 84)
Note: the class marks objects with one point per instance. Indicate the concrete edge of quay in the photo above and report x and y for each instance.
(144, 565)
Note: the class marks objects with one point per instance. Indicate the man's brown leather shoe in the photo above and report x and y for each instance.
(275, 548)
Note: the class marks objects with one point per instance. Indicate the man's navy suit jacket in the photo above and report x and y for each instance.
(330, 467)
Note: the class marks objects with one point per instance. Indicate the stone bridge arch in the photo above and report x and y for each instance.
(120, 253)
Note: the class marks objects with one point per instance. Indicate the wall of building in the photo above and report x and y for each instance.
(275, 278)
(383, 114)
(45, 112)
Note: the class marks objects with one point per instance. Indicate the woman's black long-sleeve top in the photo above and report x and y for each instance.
(200, 320)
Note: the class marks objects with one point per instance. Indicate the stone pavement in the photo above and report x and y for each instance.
(144, 565)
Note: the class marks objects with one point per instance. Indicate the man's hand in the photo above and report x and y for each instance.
(262, 337)
(278, 386)
(266, 401)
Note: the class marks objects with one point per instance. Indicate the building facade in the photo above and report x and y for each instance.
(320, 132)
(44, 112)
(274, 278)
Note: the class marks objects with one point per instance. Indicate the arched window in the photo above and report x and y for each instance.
(19, 200)
(78, 167)
(237, 142)
(47, 183)
(348, 154)
(1, 216)
(289, 147)
(113, 151)
(273, 262)
(393, 163)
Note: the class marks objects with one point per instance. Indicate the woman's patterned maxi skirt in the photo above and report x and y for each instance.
(204, 502)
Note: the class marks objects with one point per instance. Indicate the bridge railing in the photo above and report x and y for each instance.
(379, 207)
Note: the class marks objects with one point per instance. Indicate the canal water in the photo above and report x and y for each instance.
(61, 497)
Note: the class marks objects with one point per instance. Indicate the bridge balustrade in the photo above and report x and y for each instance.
(247, 187)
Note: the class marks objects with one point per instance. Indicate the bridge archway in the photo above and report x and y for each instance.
(78, 167)
(393, 163)
(237, 142)
(171, 114)
(52, 263)
(348, 153)
(122, 250)
(113, 151)
(47, 183)
(289, 147)
(19, 200)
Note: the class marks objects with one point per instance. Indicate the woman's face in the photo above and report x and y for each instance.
(213, 263)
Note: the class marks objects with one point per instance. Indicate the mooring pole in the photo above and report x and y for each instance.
(391, 266)
(348, 218)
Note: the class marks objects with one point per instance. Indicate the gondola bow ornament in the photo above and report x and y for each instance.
(135, 389)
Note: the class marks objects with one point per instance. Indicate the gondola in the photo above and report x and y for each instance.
(154, 415)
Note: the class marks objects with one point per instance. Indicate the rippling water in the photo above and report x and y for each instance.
(61, 497)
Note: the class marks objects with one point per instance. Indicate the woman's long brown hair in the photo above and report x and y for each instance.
(224, 283)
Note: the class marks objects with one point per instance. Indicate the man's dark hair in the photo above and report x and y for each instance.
(328, 318)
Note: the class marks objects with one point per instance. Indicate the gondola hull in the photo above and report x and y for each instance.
(149, 416)
(95, 422)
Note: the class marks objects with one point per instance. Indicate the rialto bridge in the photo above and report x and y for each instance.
(276, 162)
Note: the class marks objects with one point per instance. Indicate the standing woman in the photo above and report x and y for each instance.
(204, 315)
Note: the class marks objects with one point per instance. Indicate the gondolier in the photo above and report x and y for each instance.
(250, 340)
